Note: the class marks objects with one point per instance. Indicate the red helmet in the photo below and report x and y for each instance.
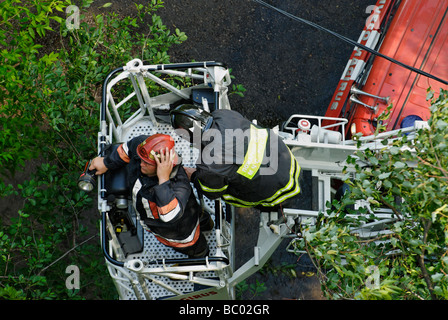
(157, 143)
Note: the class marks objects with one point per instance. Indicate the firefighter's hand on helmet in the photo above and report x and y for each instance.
(165, 165)
(98, 164)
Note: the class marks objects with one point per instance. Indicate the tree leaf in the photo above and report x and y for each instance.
(384, 175)
(399, 165)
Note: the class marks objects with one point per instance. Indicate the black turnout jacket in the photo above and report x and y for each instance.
(169, 210)
(245, 164)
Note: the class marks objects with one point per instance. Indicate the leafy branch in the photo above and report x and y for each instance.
(49, 101)
(411, 257)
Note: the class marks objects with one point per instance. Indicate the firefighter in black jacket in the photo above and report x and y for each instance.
(161, 192)
(244, 164)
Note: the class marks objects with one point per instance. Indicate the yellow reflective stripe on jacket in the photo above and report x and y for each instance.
(291, 179)
(207, 189)
(255, 152)
(238, 202)
(294, 178)
(291, 194)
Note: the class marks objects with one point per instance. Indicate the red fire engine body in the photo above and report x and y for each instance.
(410, 31)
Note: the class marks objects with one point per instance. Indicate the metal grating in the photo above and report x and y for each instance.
(155, 250)
(183, 147)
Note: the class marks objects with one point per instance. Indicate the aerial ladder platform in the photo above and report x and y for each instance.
(142, 267)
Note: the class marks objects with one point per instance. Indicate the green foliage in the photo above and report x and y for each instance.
(50, 92)
(409, 260)
(252, 290)
(238, 89)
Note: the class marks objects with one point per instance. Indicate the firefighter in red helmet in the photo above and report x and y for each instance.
(161, 192)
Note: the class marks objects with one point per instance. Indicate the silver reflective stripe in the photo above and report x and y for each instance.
(146, 206)
(170, 215)
(126, 148)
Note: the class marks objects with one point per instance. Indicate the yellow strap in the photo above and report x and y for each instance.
(207, 189)
(255, 152)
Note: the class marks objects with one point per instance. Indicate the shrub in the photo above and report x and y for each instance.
(49, 102)
(410, 261)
